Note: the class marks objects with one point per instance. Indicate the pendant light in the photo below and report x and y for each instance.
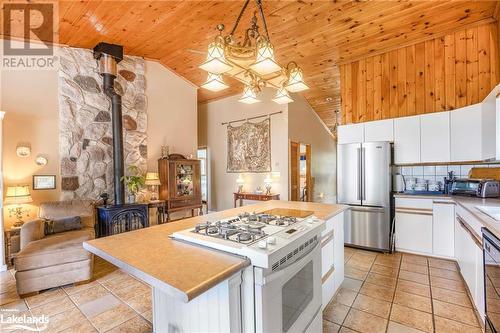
(295, 79)
(282, 96)
(216, 61)
(249, 95)
(214, 82)
(265, 63)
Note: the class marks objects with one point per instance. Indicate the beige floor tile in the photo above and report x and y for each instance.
(385, 270)
(19, 305)
(89, 295)
(378, 292)
(100, 305)
(351, 284)
(148, 315)
(114, 274)
(412, 318)
(119, 282)
(444, 325)
(414, 277)
(329, 327)
(394, 327)
(451, 296)
(54, 307)
(455, 312)
(140, 303)
(65, 319)
(445, 273)
(73, 289)
(8, 287)
(11, 316)
(131, 289)
(381, 280)
(372, 305)
(367, 253)
(346, 330)
(413, 301)
(355, 273)
(45, 297)
(6, 276)
(414, 288)
(83, 327)
(134, 325)
(112, 318)
(360, 262)
(335, 312)
(411, 267)
(414, 259)
(448, 284)
(388, 261)
(345, 296)
(364, 322)
(442, 263)
(6, 298)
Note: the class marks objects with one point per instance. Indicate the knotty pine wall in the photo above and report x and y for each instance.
(444, 73)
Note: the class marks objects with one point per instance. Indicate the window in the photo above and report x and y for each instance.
(202, 155)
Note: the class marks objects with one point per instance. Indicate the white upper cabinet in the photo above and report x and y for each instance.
(407, 140)
(435, 137)
(352, 133)
(380, 130)
(473, 133)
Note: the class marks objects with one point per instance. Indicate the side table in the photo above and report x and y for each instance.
(161, 209)
(253, 196)
(12, 243)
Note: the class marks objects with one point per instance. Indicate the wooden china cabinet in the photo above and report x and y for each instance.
(180, 184)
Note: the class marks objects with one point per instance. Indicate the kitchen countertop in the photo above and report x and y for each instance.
(181, 269)
(469, 204)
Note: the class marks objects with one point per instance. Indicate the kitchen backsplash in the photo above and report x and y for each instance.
(438, 172)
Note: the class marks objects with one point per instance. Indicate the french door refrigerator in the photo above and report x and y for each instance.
(364, 183)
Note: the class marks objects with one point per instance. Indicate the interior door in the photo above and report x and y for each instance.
(376, 174)
(309, 185)
(294, 171)
(349, 174)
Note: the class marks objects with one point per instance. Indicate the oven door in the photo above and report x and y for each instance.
(491, 250)
(288, 299)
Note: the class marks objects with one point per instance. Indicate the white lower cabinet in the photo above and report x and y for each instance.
(414, 231)
(332, 257)
(443, 220)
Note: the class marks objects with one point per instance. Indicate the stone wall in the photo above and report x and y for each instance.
(85, 142)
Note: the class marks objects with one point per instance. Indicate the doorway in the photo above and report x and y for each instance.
(202, 155)
(300, 172)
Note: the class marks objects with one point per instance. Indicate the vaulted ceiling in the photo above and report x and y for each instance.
(318, 35)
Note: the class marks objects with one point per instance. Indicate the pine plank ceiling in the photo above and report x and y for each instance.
(317, 34)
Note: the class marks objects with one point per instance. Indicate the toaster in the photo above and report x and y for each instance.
(481, 188)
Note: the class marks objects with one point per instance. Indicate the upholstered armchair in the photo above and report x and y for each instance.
(47, 261)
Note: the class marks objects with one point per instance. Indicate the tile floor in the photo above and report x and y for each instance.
(399, 293)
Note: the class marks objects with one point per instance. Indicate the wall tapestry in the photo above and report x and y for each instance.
(85, 139)
(249, 147)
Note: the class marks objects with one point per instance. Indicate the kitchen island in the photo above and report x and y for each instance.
(195, 287)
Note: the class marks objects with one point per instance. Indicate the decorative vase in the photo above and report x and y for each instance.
(131, 198)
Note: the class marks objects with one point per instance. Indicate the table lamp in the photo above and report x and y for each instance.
(17, 196)
(268, 182)
(153, 181)
(240, 181)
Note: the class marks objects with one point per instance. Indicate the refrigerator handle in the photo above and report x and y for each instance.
(363, 174)
(359, 189)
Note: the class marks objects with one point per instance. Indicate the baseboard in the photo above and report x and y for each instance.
(437, 256)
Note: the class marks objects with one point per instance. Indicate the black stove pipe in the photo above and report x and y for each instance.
(108, 56)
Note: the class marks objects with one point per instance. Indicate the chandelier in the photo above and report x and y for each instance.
(251, 62)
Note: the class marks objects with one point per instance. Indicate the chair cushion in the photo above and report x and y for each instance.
(63, 224)
(53, 250)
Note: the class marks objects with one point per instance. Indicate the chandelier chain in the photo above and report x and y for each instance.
(259, 4)
(239, 17)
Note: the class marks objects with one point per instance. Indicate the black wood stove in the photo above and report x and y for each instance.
(118, 217)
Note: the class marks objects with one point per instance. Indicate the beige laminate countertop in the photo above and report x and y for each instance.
(178, 268)
(469, 204)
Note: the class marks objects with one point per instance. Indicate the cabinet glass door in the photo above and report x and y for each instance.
(184, 174)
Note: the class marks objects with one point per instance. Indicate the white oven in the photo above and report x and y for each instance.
(288, 295)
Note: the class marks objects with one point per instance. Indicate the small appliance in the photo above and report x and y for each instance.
(399, 183)
(481, 188)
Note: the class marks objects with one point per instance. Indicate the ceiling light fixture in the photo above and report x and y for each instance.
(251, 62)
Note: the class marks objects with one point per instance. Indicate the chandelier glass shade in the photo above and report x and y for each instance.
(251, 62)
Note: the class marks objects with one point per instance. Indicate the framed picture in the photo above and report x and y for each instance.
(44, 182)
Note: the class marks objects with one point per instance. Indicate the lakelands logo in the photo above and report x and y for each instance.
(30, 31)
(13, 320)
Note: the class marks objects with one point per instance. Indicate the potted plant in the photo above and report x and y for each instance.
(134, 181)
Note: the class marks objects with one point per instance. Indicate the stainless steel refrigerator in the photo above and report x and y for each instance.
(364, 183)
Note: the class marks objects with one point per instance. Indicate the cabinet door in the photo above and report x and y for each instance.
(466, 134)
(414, 232)
(407, 140)
(443, 220)
(380, 130)
(353, 133)
(435, 137)
(479, 299)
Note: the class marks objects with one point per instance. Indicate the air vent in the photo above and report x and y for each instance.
(290, 257)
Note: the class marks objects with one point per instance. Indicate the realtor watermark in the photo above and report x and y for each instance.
(14, 320)
(30, 32)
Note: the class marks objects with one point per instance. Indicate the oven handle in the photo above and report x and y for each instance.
(296, 265)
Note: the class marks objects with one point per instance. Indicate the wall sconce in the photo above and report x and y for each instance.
(240, 181)
(17, 196)
(41, 160)
(153, 181)
(23, 149)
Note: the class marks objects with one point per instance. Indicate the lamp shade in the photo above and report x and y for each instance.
(240, 180)
(249, 95)
(296, 80)
(216, 62)
(265, 63)
(152, 178)
(17, 195)
(282, 96)
(268, 180)
(214, 82)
